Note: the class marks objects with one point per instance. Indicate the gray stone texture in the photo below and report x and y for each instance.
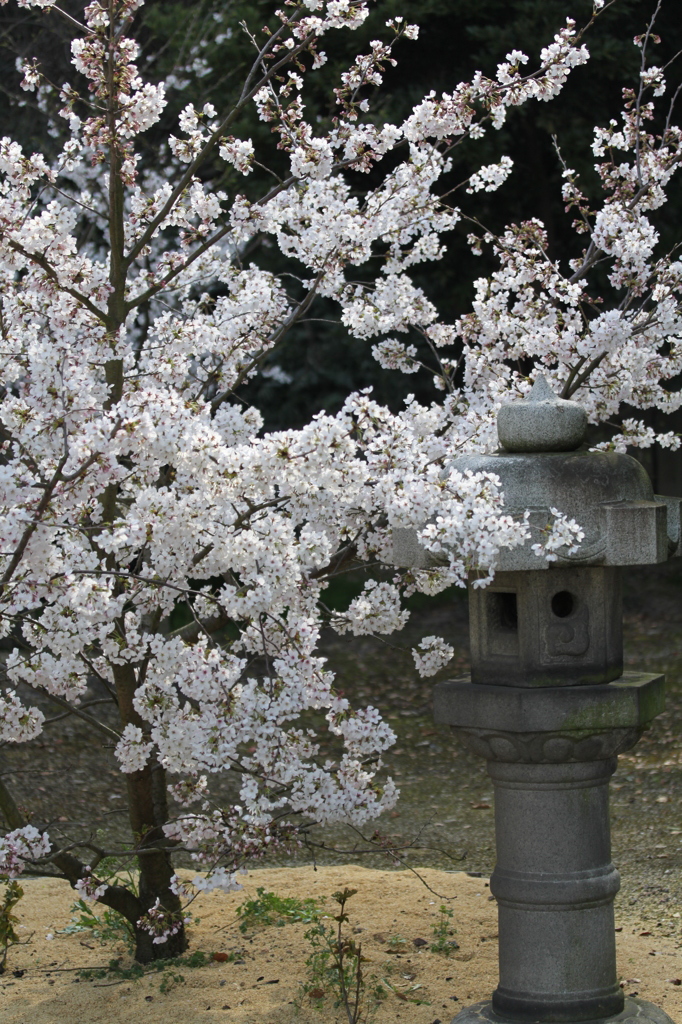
(547, 628)
(631, 702)
(554, 884)
(407, 551)
(551, 751)
(608, 493)
(635, 1011)
(674, 520)
(541, 422)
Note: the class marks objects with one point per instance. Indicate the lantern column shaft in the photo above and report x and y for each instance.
(551, 751)
(554, 883)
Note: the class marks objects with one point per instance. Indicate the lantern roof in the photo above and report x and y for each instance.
(543, 464)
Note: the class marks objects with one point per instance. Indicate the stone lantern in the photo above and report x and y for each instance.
(549, 707)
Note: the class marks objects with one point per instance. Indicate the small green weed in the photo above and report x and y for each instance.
(441, 930)
(199, 959)
(170, 979)
(110, 927)
(335, 967)
(380, 991)
(170, 975)
(406, 995)
(270, 909)
(132, 973)
(8, 936)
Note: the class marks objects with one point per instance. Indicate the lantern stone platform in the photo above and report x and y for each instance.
(635, 1011)
(548, 706)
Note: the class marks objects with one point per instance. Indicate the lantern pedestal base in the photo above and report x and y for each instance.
(551, 753)
(636, 1011)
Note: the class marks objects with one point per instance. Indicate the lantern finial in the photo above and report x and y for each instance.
(541, 422)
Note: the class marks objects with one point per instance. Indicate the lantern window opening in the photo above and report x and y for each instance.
(505, 610)
(563, 604)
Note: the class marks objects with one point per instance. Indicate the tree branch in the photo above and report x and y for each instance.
(302, 308)
(210, 145)
(73, 21)
(116, 896)
(90, 719)
(153, 289)
(33, 525)
(44, 264)
(582, 377)
(71, 711)
(193, 630)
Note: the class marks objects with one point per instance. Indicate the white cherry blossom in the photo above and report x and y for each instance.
(154, 540)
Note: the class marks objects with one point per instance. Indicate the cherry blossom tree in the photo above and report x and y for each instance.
(135, 480)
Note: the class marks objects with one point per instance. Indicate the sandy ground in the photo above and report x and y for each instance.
(428, 988)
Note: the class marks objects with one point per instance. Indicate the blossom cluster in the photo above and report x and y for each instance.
(20, 847)
(608, 350)
(89, 887)
(136, 484)
(161, 923)
(431, 654)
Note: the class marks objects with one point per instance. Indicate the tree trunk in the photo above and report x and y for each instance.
(155, 874)
(148, 812)
(146, 950)
(156, 869)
